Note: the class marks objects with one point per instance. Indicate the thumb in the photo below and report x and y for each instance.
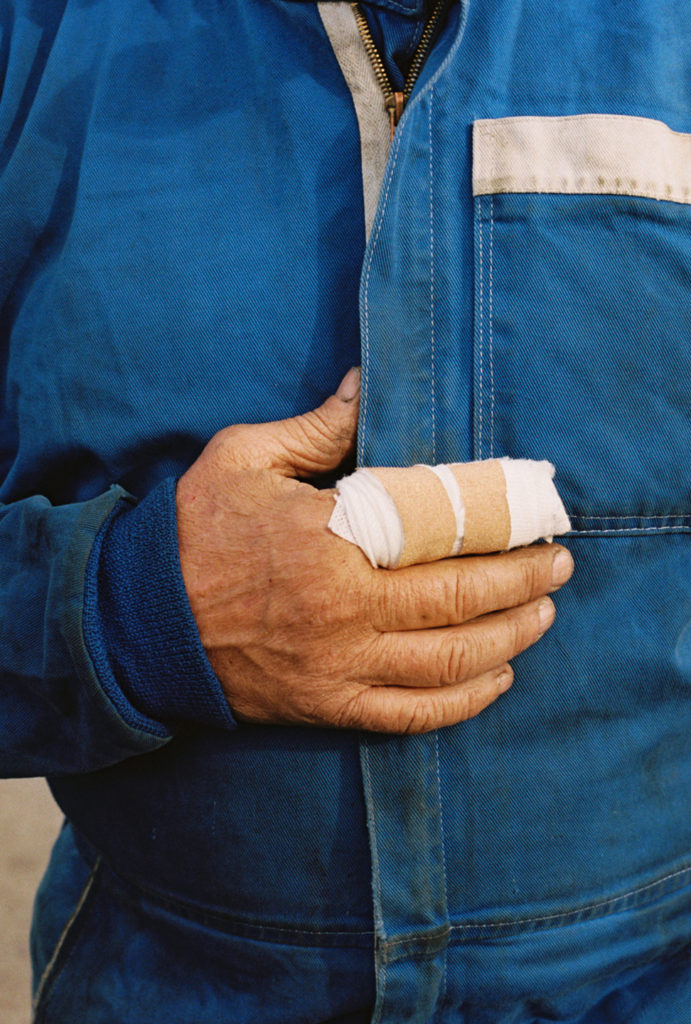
(306, 445)
(319, 440)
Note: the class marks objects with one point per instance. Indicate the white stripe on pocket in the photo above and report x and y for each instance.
(583, 154)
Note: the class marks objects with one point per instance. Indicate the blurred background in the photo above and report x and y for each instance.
(29, 824)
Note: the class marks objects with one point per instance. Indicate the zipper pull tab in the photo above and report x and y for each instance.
(395, 105)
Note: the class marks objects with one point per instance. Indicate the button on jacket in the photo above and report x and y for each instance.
(203, 223)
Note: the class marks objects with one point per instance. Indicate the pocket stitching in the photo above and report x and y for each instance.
(481, 320)
(588, 525)
(431, 281)
(490, 316)
(486, 354)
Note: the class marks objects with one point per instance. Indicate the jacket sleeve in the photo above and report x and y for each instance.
(100, 658)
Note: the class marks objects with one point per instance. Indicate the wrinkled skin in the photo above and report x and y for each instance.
(297, 625)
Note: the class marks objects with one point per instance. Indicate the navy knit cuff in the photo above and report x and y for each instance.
(138, 624)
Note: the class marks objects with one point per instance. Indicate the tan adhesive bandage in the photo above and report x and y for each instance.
(429, 525)
(400, 517)
(487, 517)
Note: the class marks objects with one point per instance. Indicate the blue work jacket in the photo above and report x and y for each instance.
(183, 246)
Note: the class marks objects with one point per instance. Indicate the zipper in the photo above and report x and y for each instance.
(395, 101)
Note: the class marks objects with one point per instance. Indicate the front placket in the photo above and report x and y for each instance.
(402, 792)
(401, 775)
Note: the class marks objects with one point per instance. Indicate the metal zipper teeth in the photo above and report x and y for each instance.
(373, 54)
(416, 65)
(424, 46)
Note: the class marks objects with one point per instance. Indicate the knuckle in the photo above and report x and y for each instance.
(519, 633)
(313, 428)
(229, 437)
(532, 577)
(350, 713)
(332, 427)
(393, 595)
(370, 710)
(455, 658)
(379, 601)
(419, 718)
(466, 595)
(523, 629)
(315, 439)
(231, 444)
(362, 653)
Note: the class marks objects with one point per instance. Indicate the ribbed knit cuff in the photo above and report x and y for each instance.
(138, 624)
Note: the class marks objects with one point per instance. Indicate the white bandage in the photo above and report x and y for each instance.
(402, 516)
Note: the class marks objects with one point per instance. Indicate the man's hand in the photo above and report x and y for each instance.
(297, 625)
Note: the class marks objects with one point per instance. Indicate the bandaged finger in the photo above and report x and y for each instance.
(400, 517)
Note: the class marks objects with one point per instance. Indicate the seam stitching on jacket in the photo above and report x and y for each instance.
(375, 851)
(381, 966)
(132, 890)
(442, 993)
(46, 983)
(481, 352)
(431, 280)
(635, 529)
(489, 124)
(490, 333)
(645, 518)
(572, 913)
(379, 962)
(373, 249)
(599, 187)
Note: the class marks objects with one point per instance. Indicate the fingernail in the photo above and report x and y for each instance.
(545, 615)
(349, 387)
(562, 567)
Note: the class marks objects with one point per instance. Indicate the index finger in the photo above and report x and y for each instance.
(455, 590)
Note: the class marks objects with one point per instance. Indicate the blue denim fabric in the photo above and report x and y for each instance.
(546, 326)
(126, 956)
(105, 950)
(135, 277)
(182, 244)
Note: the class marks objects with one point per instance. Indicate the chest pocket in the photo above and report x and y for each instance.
(583, 311)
